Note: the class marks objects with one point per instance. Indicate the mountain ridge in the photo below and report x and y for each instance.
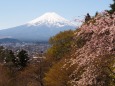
(33, 31)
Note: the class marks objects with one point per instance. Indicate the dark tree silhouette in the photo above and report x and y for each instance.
(9, 56)
(87, 17)
(112, 6)
(23, 58)
(96, 14)
(2, 53)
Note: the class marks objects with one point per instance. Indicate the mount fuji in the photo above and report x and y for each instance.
(39, 29)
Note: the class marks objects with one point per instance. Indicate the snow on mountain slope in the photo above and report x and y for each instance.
(50, 19)
(39, 29)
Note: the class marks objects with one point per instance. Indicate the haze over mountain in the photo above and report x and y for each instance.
(39, 29)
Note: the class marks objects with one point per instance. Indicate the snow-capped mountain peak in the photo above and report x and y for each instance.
(39, 29)
(50, 19)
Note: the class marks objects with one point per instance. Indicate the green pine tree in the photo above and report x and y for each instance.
(112, 6)
(87, 17)
(23, 58)
(9, 56)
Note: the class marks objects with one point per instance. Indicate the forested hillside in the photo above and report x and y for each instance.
(90, 59)
(83, 57)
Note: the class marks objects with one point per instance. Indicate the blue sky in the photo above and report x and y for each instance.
(17, 12)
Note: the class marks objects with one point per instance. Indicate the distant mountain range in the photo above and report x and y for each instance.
(39, 29)
(9, 40)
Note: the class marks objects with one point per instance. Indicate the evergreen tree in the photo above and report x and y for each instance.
(23, 58)
(96, 14)
(87, 17)
(112, 6)
(2, 53)
(9, 56)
